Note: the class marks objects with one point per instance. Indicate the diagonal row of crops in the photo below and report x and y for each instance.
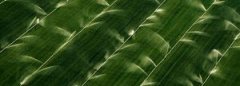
(119, 42)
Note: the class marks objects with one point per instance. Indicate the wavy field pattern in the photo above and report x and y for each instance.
(119, 42)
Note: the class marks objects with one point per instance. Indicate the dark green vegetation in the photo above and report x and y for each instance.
(119, 42)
